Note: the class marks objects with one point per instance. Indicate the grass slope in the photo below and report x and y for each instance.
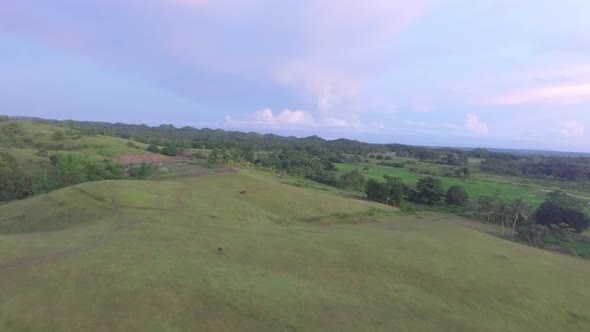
(95, 147)
(142, 256)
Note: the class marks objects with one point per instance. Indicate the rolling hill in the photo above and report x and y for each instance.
(238, 251)
(25, 139)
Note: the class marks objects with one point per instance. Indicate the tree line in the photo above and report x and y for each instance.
(565, 168)
(62, 170)
(559, 220)
(340, 150)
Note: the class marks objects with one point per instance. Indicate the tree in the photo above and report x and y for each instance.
(170, 150)
(13, 182)
(457, 196)
(70, 168)
(502, 212)
(376, 191)
(366, 169)
(153, 148)
(560, 208)
(534, 234)
(430, 191)
(354, 180)
(397, 190)
(487, 206)
(521, 210)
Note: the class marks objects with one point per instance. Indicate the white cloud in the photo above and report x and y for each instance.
(328, 87)
(266, 118)
(354, 122)
(335, 122)
(345, 46)
(289, 117)
(473, 124)
(573, 129)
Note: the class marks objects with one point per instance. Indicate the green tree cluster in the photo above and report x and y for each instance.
(14, 184)
(457, 196)
(560, 208)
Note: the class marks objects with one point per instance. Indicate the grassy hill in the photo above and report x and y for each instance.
(24, 139)
(144, 256)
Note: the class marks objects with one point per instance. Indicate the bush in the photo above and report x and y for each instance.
(105, 153)
(535, 235)
(42, 153)
(559, 208)
(376, 191)
(132, 145)
(199, 155)
(170, 150)
(58, 136)
(457, 196)
(430, 191)
(153, 148)
(353, 180)
(143, 172)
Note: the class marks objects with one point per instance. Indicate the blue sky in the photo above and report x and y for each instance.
(491, 73)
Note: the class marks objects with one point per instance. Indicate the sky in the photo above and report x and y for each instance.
(473, 73)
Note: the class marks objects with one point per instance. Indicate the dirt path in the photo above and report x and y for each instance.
(120, 224)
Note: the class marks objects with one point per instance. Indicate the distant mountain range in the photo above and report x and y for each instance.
(521, 152)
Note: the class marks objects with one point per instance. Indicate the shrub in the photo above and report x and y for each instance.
(376, 191)
(353, 180)
(457, 196)
(42, 153)
(430, 191)
(153, 148)
(58, 136)
(559, 208)
(170, 150)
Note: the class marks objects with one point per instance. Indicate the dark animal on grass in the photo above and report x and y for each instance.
(243, 192)
(220, 251)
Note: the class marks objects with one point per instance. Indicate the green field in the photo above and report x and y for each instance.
(478, 184)
(121, 255)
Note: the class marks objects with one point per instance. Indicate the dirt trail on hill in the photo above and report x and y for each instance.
(120, 224)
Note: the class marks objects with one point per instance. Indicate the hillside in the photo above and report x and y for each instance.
(145, 255)
(31, 142)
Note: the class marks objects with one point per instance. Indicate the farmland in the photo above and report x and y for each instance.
(477, 184)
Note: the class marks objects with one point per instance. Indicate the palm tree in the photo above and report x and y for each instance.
(520, 211)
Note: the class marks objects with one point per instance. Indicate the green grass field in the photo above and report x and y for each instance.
(479, 184)
(143, 256)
